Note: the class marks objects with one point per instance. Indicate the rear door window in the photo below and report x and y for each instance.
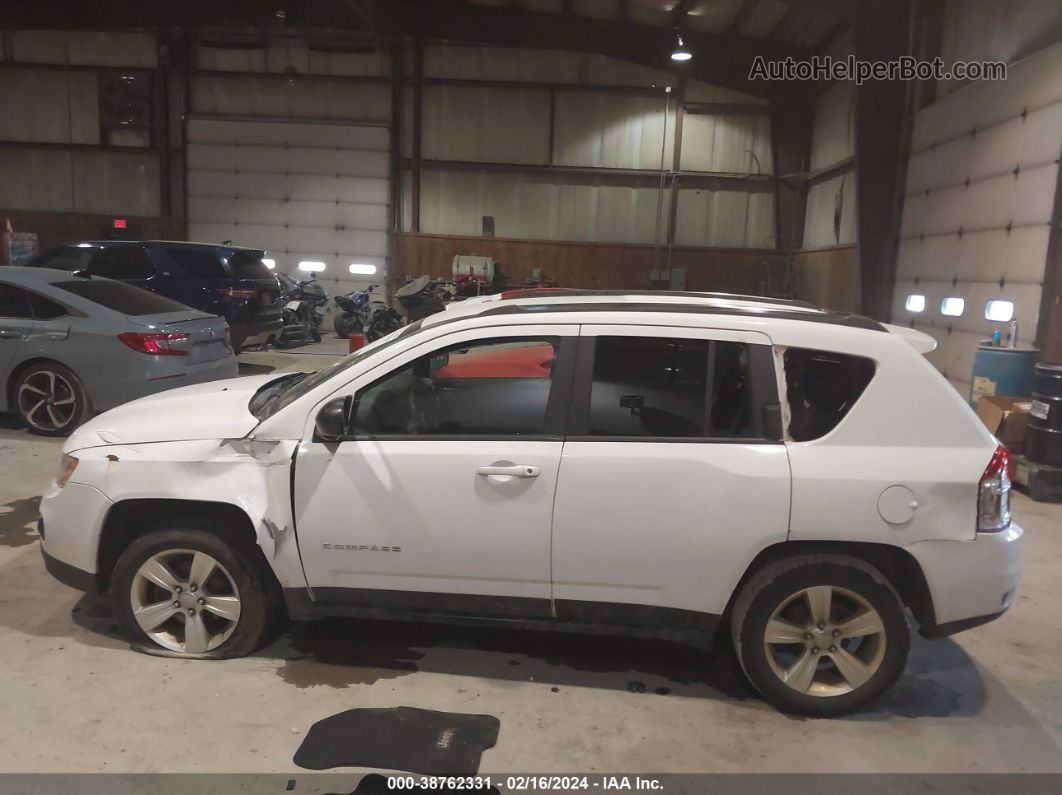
(122, 262)
(46, 308)
(822, 387)
(123, 298)
(671, 388)
(197, 262)
(14, 302)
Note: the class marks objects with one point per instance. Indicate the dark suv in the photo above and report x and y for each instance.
(223, 280)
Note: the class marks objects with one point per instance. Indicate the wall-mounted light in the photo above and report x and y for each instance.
(915, 303)
(952, 306)
(362, 269)
(312, 266)
(999, 310)
(681, 52)
(269, 263)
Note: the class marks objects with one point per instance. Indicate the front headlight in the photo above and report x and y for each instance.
(67, 465)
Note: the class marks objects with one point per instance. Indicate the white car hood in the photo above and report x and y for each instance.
(214, 410)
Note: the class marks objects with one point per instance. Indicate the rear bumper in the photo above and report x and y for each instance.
(970, 582)
(137, 384)
(255, 333)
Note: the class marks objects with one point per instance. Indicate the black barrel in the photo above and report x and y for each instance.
(1043, 435)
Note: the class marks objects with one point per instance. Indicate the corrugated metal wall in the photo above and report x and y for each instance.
(979, 197)
(48, 106)
(591, 129)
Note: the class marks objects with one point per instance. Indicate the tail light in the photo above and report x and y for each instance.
(155, 343)
(232, 292)
(993, 494)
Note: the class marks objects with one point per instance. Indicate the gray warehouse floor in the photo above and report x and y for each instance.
(73, 697)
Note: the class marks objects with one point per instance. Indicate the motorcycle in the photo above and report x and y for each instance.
(425, 296)
(304, 305)
(365, 312)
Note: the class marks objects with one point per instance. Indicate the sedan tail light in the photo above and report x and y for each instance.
(232, 292)
(993, 494)
(155, 343)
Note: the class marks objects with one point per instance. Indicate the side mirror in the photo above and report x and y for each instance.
(332, 420)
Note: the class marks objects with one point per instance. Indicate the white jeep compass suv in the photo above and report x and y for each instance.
(655, 464)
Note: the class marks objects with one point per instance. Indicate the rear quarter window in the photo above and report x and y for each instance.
(203, 264)
(120, 297)
(821, 388)
(249, 265)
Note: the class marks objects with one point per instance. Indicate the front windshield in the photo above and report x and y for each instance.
(286, 390)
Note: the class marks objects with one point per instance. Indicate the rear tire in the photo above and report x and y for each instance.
(820, 635)
(342, 327)
(162, 606)
(50, 399)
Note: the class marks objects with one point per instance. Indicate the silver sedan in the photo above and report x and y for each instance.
(73, 344)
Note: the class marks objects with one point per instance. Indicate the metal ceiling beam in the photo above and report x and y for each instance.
(841, 9)
(746, 8)
(720, 59)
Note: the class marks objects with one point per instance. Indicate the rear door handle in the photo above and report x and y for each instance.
(515, 471)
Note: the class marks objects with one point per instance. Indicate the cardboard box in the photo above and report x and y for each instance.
(1005, 418)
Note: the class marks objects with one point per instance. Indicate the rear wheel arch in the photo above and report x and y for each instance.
(896, 564)
(130, 519)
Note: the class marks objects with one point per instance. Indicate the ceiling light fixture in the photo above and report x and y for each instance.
(681, 53)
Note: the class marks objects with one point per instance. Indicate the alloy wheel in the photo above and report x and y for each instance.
(825, 641)
(185, 601)
(47, 401)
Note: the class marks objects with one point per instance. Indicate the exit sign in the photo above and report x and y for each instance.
(119, 223)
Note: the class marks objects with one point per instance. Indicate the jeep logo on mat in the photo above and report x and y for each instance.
(361, 547)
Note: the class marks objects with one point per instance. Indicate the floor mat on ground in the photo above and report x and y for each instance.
(401, 738)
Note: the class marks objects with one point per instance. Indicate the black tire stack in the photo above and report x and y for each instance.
(1043, 435)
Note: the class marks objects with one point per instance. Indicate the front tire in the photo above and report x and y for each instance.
(820, 635)
(188, 593)
(50, 399)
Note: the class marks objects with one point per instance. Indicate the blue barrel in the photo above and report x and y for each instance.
(1002, 371)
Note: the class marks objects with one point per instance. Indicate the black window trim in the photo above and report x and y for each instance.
(557, 405)
(765, 402)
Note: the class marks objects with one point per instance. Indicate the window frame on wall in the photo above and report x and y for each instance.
(764, 406)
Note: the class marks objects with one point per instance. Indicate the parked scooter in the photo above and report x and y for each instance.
(304, 303)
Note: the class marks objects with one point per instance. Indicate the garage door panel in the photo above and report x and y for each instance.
(1016, 257)
(1025, 199)
(296, 188)
(302, 191)
(292, 160)
(342, 136)
(293, 213)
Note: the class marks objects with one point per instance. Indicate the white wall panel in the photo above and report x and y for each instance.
(89, 48)
(611, 131)
(300, 190)
(735, 142)
(830, 219)
(49, 106)
(270, 97)
(35, 179)
(496, 63)
(115, 183)
(485, 124)
(737, 219)
(985, 162)
(604, 70)
(534, 206)
(833, 133)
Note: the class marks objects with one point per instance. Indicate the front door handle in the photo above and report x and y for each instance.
(514, 471)
(6, 333)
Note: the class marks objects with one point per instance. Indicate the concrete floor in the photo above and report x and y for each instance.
(74, 698)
